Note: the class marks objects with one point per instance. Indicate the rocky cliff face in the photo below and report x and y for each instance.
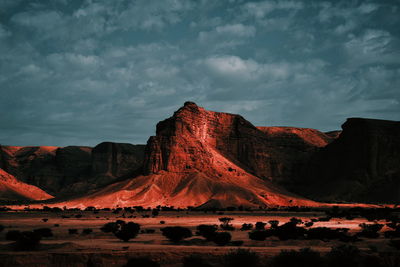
(200, 158)
(116, 160)
(363, 164)
(272, 153)
(12, 190)
(65, 171)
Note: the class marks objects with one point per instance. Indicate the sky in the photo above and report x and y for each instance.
(81, 72)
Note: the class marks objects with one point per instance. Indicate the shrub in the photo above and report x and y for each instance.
(370, 230)
(237, 243)
(343, 256)
(28, 240)
(155, 212)
(296, 221)
(274, 223)
(325, 233)
(207, 231)
(289, 230)
(308, 224)
(44, 232)
(303, 258)
(260, 225)
(222, 238)
(87, 231)
(110, 227)
(176, 233)
(241, 257)
(73, 231)
(246, 227)
(162, 222)
(141, 262)
(127, 231)
(195, 261)
(225, 223)
(395, 243)
(12, 235)
(259, 235)
(45, 220)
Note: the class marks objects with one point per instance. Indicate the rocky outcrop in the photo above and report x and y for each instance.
(12, 190)
(363, 164)
(115, 160)
(272, 153)
(200, 158)
(71, 170)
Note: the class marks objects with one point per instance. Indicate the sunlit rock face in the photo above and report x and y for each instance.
(363, 164)
(187, 140)
(12, 190)
(199, 158)
(66, 171)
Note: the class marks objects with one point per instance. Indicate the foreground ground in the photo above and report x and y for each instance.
(103, 249)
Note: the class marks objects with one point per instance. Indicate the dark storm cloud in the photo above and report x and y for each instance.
(81, 72)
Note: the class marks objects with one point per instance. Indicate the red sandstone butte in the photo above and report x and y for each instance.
(200, 158)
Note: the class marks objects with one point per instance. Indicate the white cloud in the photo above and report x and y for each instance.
(261, 9)
(237, 29)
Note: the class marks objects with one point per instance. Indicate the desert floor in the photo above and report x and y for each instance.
(103, 249)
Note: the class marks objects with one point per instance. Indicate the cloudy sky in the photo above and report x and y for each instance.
(81, 72)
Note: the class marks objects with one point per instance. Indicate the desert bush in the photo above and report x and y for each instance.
(44, 232)
(395, 243)
(141, 262)
(87, 231)
(195, 261)
(325, 233)
(222, 238)
(45, 219)
(28, 240)
(240, 258)
(127, 231)
(343, 256)
(176, 233)
(237, 242)
(225, 223)
(110, 227)
(207, 231)
(302, 258)
(162, 222)
(370, 230)
(73, 231)
(308, 224)
(260, 235)
(12, 235)
(260, 225)
(246, 226)
(289, 230)
(274, 223)
(296, 220)
(155, 212)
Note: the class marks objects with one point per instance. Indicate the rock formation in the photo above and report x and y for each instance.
(12, 190)
(363, 164)
(71, 170)
(200, 158)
